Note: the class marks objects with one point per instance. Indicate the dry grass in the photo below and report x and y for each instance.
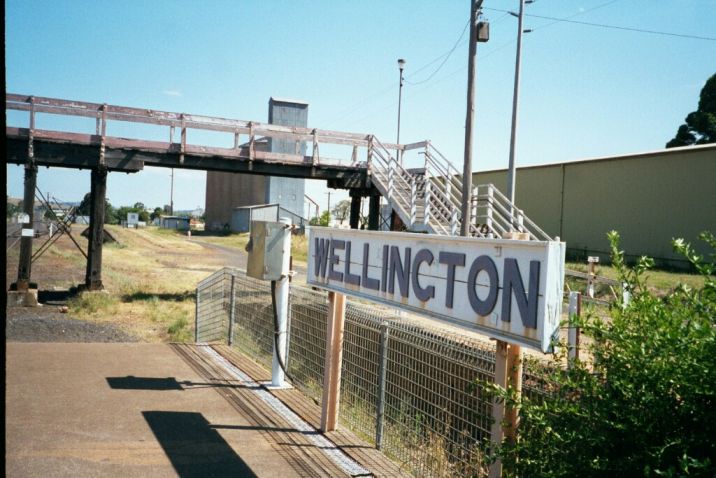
(659, 281)
(149, 278)
(299, 243)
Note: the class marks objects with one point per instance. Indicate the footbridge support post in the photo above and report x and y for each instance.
(374, 213)
(93, 276)
(24, 269)
(355, 211)
(23, 292)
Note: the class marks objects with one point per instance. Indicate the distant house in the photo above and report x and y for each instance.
(196, 224)
(175, 222)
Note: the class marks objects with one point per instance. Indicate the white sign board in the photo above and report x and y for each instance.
(132, 218)
(507, 289)
(27, 233)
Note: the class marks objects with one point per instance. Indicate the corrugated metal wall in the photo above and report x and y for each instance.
(649, 198)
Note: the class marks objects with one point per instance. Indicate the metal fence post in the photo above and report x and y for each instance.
(575, 309)
(382, 368)
(196, 318)
(413, 200)
(232, 309)
(626, 295)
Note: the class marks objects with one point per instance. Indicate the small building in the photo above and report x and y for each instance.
(175, 222)
(85, 220)
(196, 224)
(241, 217)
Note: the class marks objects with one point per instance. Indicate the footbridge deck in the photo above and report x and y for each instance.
(63, 148)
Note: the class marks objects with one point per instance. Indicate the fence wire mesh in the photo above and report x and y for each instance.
(407, 389)
(212, 308)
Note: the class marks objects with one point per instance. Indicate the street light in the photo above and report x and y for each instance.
(511, 173)
(401, 66)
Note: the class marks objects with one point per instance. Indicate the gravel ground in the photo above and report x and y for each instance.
(47, 324)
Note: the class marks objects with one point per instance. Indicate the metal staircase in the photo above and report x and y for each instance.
(429, 199)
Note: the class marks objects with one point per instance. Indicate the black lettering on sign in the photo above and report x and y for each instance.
(452, 259)
(482, 307)
(368, 282)
(423, 294)
(320, 257)
(353, 279)
(401, 269)
(513, 283)
(384, 270)
(333, 260)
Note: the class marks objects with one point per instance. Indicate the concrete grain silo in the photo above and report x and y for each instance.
(226, 191)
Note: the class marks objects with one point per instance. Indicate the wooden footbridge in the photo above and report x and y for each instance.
(424, 199)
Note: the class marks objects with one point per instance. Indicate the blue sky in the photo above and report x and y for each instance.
(586, 91)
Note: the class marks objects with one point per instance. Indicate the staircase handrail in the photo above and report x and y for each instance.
(509, 215)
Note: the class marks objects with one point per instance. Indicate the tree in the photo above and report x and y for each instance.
(12, 208)
(157, 213)
(325, 219)
(340, 211)
(110, 213)
(700, 125)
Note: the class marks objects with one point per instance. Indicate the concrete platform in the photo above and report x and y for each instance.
(141, 410)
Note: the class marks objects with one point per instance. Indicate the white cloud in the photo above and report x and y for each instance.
(172, 92)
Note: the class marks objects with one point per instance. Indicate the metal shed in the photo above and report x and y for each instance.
(175, 222)
(241, 217)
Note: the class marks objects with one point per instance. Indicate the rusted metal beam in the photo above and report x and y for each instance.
(84, 156)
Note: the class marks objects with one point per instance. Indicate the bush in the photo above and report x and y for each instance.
(643, 404)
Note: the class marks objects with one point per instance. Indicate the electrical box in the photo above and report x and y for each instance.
(483, 32)
(269, 250)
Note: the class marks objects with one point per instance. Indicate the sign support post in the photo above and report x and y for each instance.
(334, 359)
(508, 374)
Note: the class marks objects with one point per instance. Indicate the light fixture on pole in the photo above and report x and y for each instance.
(401, 66)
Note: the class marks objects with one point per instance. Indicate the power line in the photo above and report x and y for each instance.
(614, 27)
(447, 57)
(582, 12)
(370, 98)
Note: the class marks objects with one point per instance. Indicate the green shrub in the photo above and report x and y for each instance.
(89, 303)
(179, 330)
(642, 402)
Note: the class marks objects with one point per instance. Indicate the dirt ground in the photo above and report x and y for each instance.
(47, 324)
(150, 279)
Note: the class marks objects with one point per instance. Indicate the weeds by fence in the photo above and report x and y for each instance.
(406, 389)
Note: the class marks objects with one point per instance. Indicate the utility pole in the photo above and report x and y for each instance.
(171, 196)
(329, 207)
(511, 173)
(475, 6)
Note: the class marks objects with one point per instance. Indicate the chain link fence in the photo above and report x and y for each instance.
(407, 389)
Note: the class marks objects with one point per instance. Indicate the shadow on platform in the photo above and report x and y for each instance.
(194, 448)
